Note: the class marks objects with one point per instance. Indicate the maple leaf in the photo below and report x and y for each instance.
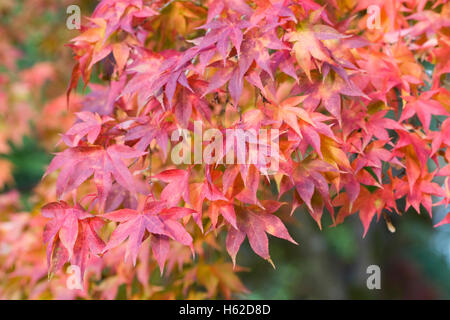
(373, 162)
(198, 192)
(424, 107)
(367, 204)
(94, 43)
(152, 74)
(288, 111)
(187, 101)
(307, 46)
(254, 48)
(441, 137)
(90, 126)
(79, 163)
(329, 92)
(273, 12)
(446, 220)
(146, 130)
(154, 218)
(71, 234)
(177, 186)
(221, 32)
(254, 225)
(251, 177)
(415, 153)
(377, 126)
(306, 177)
(239, 6)
(420, 193)
(226, 209)
(88, 243)
(160, 247)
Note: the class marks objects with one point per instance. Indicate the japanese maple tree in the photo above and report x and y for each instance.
(362, 128)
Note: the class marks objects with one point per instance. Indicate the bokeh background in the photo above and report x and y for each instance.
(35, 67)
